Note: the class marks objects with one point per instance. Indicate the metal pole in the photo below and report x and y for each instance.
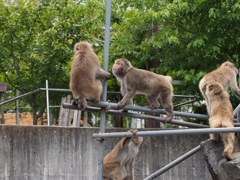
(2, 114)
(17, 108)
(136, 115)
(104, 94)
(47, 100)
(13, 99)
(167, 132)
(145, 109)
(174, 163)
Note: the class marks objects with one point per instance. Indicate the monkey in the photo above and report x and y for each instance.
(85, 75)
(157, 88)
(221, 116)
(119, 162)
(225, 75)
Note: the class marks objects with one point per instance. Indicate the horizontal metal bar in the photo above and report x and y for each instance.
(173, 163)
(167, 132)
(24, 95)
(136, 115)
(145, 109)
(53, 89)
(186, 96)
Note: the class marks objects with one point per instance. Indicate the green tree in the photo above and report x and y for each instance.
(193, 37)
(36, 42)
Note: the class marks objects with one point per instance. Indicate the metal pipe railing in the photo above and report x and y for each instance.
(21, 96)
(168, 132)
(174, 163)
(136, 115)
(144, 109)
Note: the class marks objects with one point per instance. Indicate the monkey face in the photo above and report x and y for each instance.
(231, 65)
(137, 140)
(117, 65)
(121, 67)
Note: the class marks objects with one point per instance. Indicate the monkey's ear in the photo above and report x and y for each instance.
(126, 141)
(128, 64)
(210, 89)
(77, 48)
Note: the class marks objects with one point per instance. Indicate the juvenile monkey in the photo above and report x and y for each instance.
(225, 75)
(157, 88)
(221, 115)
(119, 162)
(86, 73)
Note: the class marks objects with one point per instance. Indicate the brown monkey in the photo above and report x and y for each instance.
(86, 73)
(225, 75)
(221, 115)
(157, 88)
(119, 162)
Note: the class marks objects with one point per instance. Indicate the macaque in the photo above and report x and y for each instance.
(221, 116)
(225, 75)
(157, 88)
(119, 162)
(86, 73)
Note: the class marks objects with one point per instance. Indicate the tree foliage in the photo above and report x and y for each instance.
(194, 37)
(188, 38)
(36, 42)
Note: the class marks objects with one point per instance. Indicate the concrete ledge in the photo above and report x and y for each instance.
(63, 153)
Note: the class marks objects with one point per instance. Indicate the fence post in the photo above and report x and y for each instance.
(17, 107)
(2, 114)
(47, 100)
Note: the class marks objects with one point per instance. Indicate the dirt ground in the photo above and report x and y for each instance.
(24, 119)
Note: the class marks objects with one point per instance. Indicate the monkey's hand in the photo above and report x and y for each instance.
(134, 131)
(120, 104)
(108, 76)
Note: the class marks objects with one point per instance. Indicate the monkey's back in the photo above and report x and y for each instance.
(83, 73)
(218, 75)
(221, 107)
(147, 82)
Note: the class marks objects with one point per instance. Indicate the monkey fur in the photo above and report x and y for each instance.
(85, 75)
(157, 88)
(225, 75)
(119, 162)
(221, 116)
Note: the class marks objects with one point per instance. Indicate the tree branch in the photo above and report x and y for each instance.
(234, 60)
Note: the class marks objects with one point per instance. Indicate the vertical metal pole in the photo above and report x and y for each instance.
(2, 114)
(47, 99)
(17, 107)
(104, 94)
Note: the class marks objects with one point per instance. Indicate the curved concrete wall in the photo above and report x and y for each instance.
(58, 153)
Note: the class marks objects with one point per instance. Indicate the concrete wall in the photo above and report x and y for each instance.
(56, 153)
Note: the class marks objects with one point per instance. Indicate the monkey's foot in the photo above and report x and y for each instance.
(167, 119)
(134, 131)
(74, 102)
(228, 157)
(96, 100)
(128, 177)
(123, 110)
(151, 107)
